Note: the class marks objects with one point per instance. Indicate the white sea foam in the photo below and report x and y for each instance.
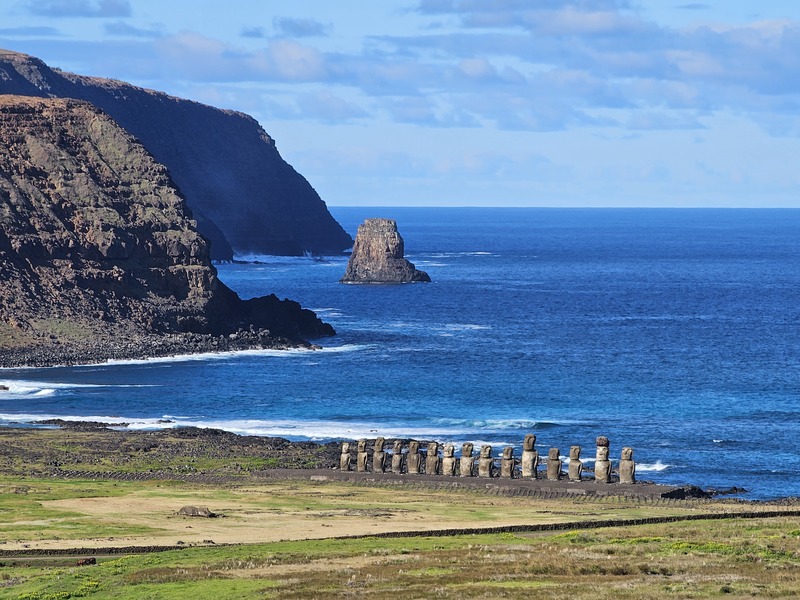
(656, 466)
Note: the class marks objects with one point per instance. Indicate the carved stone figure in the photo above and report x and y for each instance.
(553, 464)
(414, 458)
(344, 457)
(530, 457)
(467, 464)
(507, 463)
(379, 456)
(486, 462)
(432, 461)
(449, 461)
(397, 457)
(627, 468)
(575, 467)
(602, 466)
(362, 458)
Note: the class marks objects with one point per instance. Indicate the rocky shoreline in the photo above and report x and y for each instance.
(141, 347)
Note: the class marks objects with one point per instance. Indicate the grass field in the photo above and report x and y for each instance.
(288, 551)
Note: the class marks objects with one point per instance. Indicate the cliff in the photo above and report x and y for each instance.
(378, 256)
(244, 196)
(99, 255)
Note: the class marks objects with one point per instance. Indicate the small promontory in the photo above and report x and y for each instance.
(378, 256)
(101, 258)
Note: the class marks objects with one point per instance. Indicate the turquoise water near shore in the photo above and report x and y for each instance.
(673, 331)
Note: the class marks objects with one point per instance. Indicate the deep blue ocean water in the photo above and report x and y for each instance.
(676, 332)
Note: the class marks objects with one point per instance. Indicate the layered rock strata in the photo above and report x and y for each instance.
(244, 196)
(378, 256)
(99, 255)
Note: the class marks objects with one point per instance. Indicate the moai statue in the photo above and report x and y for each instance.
(414, 458)
(486, 462)
(553, 464)
(379, 456)
(507, 463)
(575, 465)
(397, 457)
(432, 461)
(627, 468)
(362, 458)
(449, 461)
(467, 465)
(530, 457)
(344, 457)
(602, 466)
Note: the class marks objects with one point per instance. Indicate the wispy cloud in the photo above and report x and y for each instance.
(292, 27)
(121, 28)
(79, 8)
(30, 31)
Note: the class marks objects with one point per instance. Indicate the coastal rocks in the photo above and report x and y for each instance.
(99, 255)
(378, 256)
(242, 193)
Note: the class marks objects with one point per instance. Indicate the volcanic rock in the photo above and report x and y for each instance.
(98, 247)
(244, 196)
(378, 256)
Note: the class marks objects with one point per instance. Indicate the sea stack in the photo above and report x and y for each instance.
(378, 256)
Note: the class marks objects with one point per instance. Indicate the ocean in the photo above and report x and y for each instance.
(675, 332)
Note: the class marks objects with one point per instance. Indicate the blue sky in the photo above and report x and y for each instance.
(472, 102)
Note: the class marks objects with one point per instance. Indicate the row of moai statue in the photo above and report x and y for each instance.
(414, 463)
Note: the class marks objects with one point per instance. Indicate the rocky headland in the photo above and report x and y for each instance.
(100, 256)
(244, 196)
(378, 256)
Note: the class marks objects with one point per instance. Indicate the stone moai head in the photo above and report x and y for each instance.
(602, 441)
(413, 447)
(508, 453)
(486, 452)
(627, 453)
(433, 448)
(602, 453)
(397, 447)
(575, 453)
(553, 454)
(379, 443)
(466, 449)
(345, 447)
(449, 451)
(529, 443)
(362, 445)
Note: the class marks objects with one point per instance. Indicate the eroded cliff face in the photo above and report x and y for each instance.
(378, 256)
(96, 241)
(244, 196)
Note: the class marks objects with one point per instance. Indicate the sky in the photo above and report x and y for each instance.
(560, 103)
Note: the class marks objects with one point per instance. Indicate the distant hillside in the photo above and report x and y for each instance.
(98, 253)
(244, 196)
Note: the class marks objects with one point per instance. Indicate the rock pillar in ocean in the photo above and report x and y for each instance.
(378, 256)
(449, 461)
(414, 458)
(467, 465)
(553, 464)
(627, 468)
(602, 466)
(344, 457)
(486, 462)
(379, 456)
(432, 461)
(575, 465)
(507, 463)
(362, 458)
(530, 457)
(397, 457)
